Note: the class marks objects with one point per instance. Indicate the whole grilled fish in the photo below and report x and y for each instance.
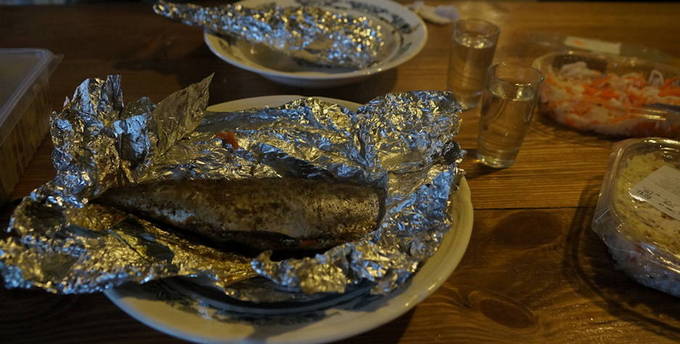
(260, 213)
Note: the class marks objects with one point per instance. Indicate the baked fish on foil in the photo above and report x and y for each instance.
(312, 34)
(271, 213)
(375, 183)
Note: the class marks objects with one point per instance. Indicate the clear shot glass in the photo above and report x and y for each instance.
(508, 103)
(473, 45)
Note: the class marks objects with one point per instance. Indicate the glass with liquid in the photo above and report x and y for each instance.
(508, 103)
(472, 48)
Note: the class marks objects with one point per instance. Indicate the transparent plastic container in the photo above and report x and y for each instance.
(643, 239)
(24, 110)
(584, 109)
(551, 42)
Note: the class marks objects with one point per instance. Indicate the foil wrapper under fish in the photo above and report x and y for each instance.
(312, 34)
(62, 240)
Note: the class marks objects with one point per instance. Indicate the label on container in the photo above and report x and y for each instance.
(661, 189)
(593, 45)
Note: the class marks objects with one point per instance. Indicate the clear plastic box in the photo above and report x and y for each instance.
(639, 223)
(24, 110)
(603, 109)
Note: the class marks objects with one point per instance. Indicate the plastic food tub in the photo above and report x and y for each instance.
(638, 211)
(610, 95)
(24, 110)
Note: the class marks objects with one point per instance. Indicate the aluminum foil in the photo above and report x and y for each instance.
(402, 143)
(61, 242)
(312, 34)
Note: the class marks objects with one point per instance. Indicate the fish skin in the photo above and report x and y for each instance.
(272, 213)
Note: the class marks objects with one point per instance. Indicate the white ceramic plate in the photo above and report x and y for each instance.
(203, 325)
(408, 34)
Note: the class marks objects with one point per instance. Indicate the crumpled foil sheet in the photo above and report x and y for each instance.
(312, 34)
(402, 143)
(62, 243)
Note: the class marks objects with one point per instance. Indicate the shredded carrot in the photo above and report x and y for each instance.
(608, 94)
(589, 90)
(600, 82)
(636, 100)
(669, 81)
(670, 92)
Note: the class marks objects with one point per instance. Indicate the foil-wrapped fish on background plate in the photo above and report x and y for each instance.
(336, 43)
(311, 33)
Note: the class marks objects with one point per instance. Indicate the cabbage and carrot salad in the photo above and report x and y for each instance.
(611, 104)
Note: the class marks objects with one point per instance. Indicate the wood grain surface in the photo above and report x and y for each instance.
(534, 272)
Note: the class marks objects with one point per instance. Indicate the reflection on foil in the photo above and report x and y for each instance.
(311, 34)
(400, 143)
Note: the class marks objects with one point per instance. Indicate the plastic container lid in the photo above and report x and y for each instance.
(20, 69)
(638, 211)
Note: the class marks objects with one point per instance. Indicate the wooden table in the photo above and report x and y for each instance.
(533, 272)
